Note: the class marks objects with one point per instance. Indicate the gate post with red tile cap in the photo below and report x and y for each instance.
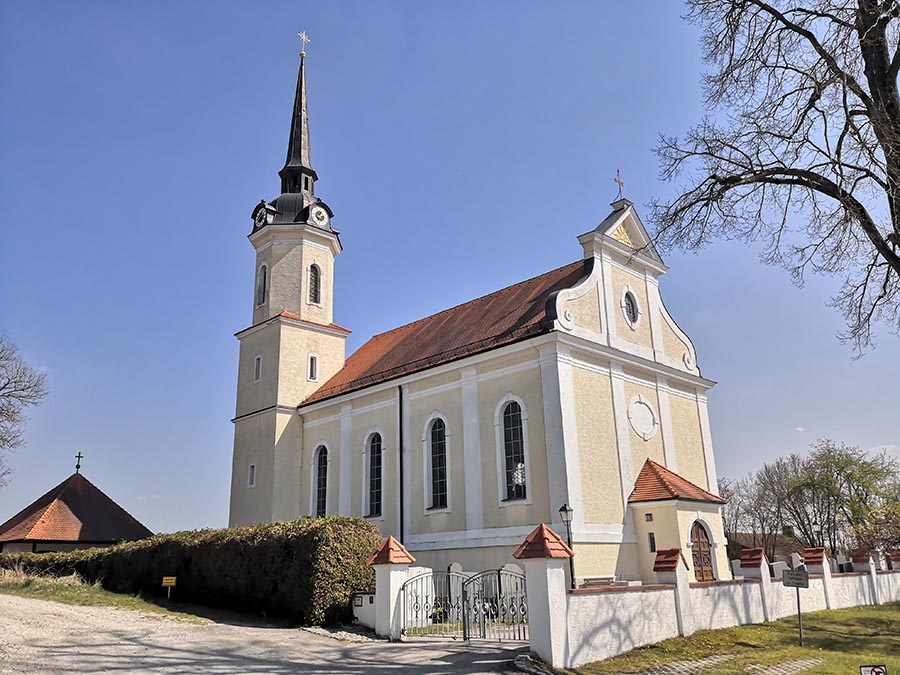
(671, 568)
(543, 554)
(391, 562)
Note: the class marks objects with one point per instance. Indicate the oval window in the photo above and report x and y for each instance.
(629, 304)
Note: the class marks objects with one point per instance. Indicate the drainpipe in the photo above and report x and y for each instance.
(400, 436)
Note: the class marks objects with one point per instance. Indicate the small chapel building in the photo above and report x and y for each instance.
(73, 515)
(460, 432)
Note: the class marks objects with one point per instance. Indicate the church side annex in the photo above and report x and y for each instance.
(459, 433)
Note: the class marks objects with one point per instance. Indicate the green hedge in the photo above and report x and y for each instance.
(304, 570)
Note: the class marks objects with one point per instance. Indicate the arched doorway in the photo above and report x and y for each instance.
(703, 570)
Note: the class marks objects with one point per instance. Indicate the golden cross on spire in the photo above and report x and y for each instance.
(618, 181)
(304, 38)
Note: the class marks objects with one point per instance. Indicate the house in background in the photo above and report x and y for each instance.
(460, 432)
(75, 514)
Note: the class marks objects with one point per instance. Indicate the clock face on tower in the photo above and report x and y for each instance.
(319, 215)
(260, 219)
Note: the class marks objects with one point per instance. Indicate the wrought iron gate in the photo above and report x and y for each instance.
(490, 605)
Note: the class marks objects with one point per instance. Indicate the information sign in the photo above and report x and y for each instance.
(796, 578)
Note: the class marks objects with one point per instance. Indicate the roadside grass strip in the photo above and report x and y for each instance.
(73, 590)
(836, 642)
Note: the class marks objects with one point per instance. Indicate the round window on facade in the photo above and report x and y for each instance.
(630, 307)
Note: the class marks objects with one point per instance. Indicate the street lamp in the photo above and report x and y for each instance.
(565, 513)
(817, 532)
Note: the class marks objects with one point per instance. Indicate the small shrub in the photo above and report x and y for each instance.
(305, 570)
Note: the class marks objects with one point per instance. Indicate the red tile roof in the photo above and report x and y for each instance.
(667, 560)
(543, 543)
(814, 556)
(296, 317)
(391, 551)
(74, 511)
(655, 482)
(753, 557)
(860, 555)
(500, 318)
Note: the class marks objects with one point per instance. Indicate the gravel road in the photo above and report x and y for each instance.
(39, 637)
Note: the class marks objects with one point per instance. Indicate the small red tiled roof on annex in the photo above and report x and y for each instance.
(860, 555)
(655, 482)
(74, 511)
(543, 543)
(296, 317)
(667, 560)
(814, 556)
(753, 557)
(500, 318)
(391, 552)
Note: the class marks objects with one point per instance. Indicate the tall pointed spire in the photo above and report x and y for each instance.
(298, 174)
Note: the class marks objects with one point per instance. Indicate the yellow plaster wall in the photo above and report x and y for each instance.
(262, 312)
(472, 559)
(606, 560)
(710, 516)
(688, 440)
(585, 311)
(253, 396)
(641, 449)
(253, 441)
(673, 346)
(425, 383)
(449, 404)
(665, 526)
(635, 281)
(321, 313)
(526, 384)
(508, 361)
(296, 346)
(287, 475)
(595, 422)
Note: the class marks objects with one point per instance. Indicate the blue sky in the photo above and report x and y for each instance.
(463, 146)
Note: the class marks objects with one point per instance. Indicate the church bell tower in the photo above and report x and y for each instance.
(292, 345)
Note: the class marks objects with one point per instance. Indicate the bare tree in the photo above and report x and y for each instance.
(801, 149)
(21, 386)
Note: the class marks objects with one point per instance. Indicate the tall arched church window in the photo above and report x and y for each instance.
(702, 553)
(315, 284)
(438, 448)
(262, 285)
(321, 481)
(375, 475)
(514, 451)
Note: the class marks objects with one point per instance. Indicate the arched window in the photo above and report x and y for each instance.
(701, 552)
(315, 285)
(375, 475)
(438, 448)
(262, 285)
(321, 481)
(514, 451)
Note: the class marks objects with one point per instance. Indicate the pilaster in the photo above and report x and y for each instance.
(472, 450)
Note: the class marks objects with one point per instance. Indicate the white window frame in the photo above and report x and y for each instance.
(313, 475)
(257, 368)
(366, 464)
(310, 358)
(251, 476)
(637, 305)
(501, 452)
(646, 435)
(265, 298)
(426, 464)
(309, 301)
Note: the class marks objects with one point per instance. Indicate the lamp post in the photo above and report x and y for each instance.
(817, 533)
(565, 513)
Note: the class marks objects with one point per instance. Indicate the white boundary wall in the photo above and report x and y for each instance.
(571, 628)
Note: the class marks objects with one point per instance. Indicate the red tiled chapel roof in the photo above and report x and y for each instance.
(503, 317)
(656, 482)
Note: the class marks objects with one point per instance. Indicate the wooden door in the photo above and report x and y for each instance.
(703, 570)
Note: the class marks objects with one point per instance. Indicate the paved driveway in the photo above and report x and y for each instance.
(38, 637)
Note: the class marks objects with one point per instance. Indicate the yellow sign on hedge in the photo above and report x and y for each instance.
(168, 582)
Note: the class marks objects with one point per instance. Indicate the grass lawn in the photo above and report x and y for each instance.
(844, 639)
(74, 591)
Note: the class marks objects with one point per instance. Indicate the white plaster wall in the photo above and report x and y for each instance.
(851, 590)
(783, 601)
(601, 625)
(889, 586)
(726, 604)
(364, 614)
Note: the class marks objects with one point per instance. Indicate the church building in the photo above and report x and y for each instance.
(460, 432)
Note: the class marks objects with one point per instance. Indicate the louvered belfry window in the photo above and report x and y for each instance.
(321, 481)
(315, 284)
(261, 285)
(375, 475)
(514, 449)
(438, 464)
